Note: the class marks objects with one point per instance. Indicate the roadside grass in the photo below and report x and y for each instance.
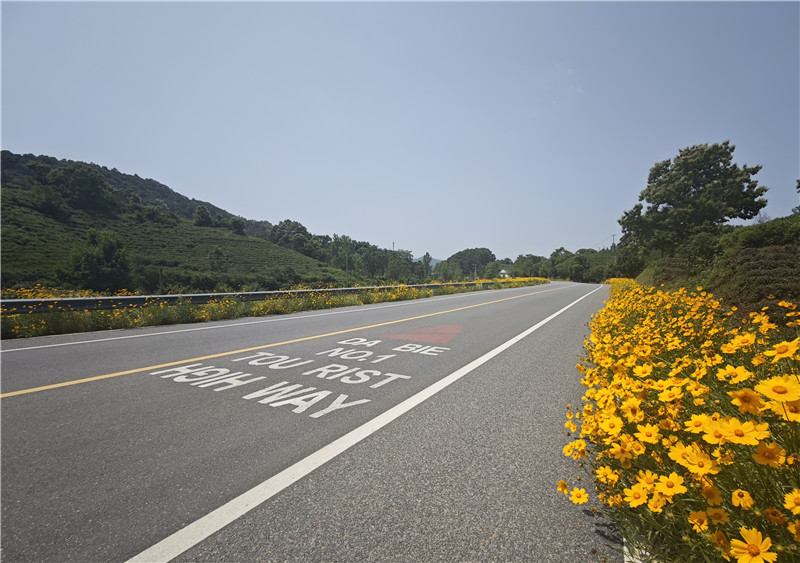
(689, 429)
(159, 313)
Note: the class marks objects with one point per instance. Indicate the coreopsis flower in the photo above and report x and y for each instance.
(643, 370)
(607, 475)
(794, 529)
(698, 520)
(792, 501)
(670, 394)
(648, 433)
(700, 463)
(747, 400)
(733, 374)
(783, 350)
(744, 340)
(718, 515)
(648, 480)
(712, 495)
(611, 425)
(636, 495)
(782, 388)
(670, 485)
(563, 487)
(713, 433)
(747, 432)
(789, 411)
(657, 502)
(754, 548)
(769, 454)
(679, 453)
(579, 496)
(697, 423)
(742, 498)
(630, 408)
(774, 515)
(721, 540)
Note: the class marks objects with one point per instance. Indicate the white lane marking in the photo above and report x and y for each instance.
(172, 546)
(229, 325)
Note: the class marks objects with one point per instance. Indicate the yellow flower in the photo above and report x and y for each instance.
(631, 409)
(748, 401)
(648, 480)
(605, 474)
(563, 487)
(712, 495)
(699, 521)
(643, 371)
(611, 425)
(794, 528)
(770, 454)
(648, 433)
(792, 501)
(579, 496)
(670, 485)
(789, 410)
(774, 515)
(636, 495)
(721, 540)
(747, 432)
(780, 388)
(657, 502)
(754, 548)
(742, 498)
(713, 433)
(678, 453)
(697, 423)
(671, 394)
(719, 515)
(784, 350)
(733, 374)
(700, 463)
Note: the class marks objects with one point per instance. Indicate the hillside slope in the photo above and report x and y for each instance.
(48, 207)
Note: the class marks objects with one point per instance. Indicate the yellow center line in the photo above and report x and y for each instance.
(261, 347)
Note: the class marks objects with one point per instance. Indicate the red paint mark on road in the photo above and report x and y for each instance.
(441, 334)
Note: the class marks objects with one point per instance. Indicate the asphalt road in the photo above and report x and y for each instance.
(426, 430)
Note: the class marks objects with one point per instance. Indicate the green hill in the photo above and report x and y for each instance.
(48, 206)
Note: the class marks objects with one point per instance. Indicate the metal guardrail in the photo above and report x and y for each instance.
(15, 306)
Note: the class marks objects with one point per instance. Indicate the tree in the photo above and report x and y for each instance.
(202, 218)
(426, 265)
(237, 225)
(84, 187)
(696, 192)
(527, 265)
(472, 261)
(100, 263)
(290, 234)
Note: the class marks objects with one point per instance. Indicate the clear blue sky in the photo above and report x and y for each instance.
(520, 126)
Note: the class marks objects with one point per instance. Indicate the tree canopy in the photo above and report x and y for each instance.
(695, 193)
(100, 263)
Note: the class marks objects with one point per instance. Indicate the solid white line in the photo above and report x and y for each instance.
(194, 533)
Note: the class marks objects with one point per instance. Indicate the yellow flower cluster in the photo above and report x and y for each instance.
(691, 424)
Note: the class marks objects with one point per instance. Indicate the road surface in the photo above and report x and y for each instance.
(419, 430)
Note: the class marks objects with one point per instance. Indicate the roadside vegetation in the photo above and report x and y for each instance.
(689, 430)
(158, 313)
